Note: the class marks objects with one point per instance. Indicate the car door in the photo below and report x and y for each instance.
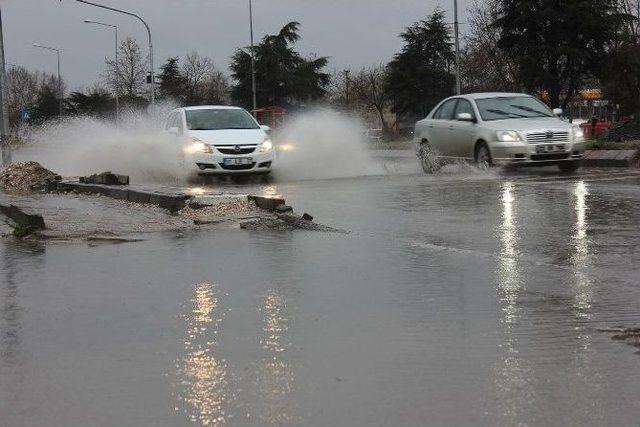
(442, 128)
(463, 132)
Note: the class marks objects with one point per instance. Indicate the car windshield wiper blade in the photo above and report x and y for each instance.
(531, 110)
(504, 113)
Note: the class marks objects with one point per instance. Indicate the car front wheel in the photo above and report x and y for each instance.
(483, 156)
(428, 159)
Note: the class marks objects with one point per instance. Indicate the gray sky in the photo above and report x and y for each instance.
(353, 33)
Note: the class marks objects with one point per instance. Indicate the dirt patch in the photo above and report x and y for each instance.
(27, 177)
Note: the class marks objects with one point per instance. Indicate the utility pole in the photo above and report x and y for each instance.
(253, 60)
(456, 31)
(4, 125)
(153, 74)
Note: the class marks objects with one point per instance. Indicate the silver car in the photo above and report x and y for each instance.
(510, 129)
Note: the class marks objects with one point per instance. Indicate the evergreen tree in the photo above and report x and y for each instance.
(172, 82)
(283, 76)
(556, 45)
(420, 75)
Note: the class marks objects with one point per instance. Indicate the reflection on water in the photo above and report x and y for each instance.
(203, 376)
(580, 260)
(275, 376)
(512, 373)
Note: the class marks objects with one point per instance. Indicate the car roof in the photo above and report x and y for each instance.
(210, 107)
(482, 95)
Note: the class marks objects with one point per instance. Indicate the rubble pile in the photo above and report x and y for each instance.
(220, 210)
(27, 177)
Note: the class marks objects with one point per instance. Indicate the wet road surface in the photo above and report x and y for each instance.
(461, 299)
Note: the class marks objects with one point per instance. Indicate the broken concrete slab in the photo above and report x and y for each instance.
(172, 202)
(23, 218)
(106, 178)
(268, 203)
(283, 208)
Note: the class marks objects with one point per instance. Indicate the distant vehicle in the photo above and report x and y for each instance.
(498, 129)
(222, 140)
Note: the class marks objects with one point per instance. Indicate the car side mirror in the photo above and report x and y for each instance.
(265, 128)
(174, 131)
(557, 111)
(465, 117)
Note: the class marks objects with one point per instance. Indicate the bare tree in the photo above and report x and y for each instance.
(127, 77)
(370, 90)
(216, 88)
(22, 88)
(483, 66)
(196, 71)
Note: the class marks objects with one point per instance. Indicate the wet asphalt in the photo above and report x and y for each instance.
(461, 299)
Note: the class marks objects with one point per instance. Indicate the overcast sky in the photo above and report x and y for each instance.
(353, 33)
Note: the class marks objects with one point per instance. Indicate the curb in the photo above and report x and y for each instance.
(611, 158)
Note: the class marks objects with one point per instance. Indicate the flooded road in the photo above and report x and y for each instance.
(461, 299)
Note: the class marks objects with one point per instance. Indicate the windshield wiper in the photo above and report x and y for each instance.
(531, 110)
(504, 113)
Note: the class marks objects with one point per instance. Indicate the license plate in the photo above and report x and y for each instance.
(238, 161)
(550, 148)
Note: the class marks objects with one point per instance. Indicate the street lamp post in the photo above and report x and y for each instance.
(115, 27)
(4, 124)
(153, 75)
(456, 32)
(253, 60)
(60, 94)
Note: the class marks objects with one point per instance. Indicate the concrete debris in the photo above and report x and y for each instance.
(205, 214)
(268, 203)
(27, 177)
(283, 209)
(105, 178)
(307, 217)
(286, 221)
(630, 336)
(22, 218)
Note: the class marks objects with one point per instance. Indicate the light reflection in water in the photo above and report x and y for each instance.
(512, 372)
(203, 377)
(275, 376)
(580, 259)
(509, 277)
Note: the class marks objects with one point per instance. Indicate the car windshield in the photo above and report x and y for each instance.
(512, 107)
(217, 119)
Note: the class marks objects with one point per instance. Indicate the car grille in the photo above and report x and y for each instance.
(237, 167)
(231, 149)
(549, 137)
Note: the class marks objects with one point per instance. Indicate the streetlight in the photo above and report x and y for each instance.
(457, 42)
(115, 27)
(253, 60)
(153, 75)
(60, 94)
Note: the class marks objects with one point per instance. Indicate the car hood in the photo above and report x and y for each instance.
(230, 136)
(545, 123)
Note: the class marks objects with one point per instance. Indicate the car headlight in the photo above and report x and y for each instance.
(267, 145)
(508, 136)
(578, 133)
(197, 146)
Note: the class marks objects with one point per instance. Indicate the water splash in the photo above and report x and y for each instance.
(323, 144)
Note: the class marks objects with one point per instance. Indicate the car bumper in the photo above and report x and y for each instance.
(522, 153)
(214, 163)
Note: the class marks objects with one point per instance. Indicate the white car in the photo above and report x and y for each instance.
(498, 128)
(222, 140)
